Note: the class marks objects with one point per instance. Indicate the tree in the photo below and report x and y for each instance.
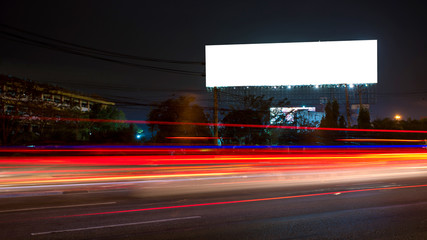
(300, 118)
(364, 118)
(331, 115)
(181, 111)
(332, 119)
(341, 122)
(243, 135)
(254, 110)
(109, 132)
(385, 123)
(409, 124)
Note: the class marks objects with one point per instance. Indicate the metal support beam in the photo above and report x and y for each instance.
(347, 107)
(215, 93)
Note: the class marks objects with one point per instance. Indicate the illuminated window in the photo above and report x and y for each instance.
(10, 92)
(57, 98)
(10, 109)
(23, 110)
(76, 102)
(67, 100)
(47, 97)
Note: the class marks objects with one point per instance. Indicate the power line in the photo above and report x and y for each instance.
(25, 40)
(22, 39)
(128, 88)
(103, 52)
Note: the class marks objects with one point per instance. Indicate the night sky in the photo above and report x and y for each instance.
(180, 30)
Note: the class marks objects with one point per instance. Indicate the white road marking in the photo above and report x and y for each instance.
(65, 206)
(115, 225)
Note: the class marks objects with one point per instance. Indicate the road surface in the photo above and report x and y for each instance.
(381, 209)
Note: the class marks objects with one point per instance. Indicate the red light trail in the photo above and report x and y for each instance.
(240, 201)
(210, 124)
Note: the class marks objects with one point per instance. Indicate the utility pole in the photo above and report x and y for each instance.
(215, 93)
(359, 92)
(347, 107)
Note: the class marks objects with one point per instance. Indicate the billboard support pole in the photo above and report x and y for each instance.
(215, 93)
(347, 107)
(359, 91)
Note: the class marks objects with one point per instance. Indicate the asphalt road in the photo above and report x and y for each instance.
(380, 209)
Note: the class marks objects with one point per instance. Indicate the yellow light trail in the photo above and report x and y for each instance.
(120, 178)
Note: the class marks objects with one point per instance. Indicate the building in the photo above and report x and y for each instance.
(18, 94)
(27, 106)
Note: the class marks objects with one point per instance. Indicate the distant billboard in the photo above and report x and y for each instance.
(301, 63)
(277, 113)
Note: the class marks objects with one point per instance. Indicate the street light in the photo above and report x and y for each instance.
(397, 117)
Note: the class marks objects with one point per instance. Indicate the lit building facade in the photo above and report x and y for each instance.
(17, 95)
(27, 109)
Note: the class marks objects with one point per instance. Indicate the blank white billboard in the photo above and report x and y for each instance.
(302, 63)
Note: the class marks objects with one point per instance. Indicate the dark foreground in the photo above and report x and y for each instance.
(396, 210)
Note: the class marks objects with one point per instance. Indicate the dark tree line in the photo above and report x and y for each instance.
(44, 124)
(256, 110)
(181, 110)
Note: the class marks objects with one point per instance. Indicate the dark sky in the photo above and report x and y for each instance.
(180, 30)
